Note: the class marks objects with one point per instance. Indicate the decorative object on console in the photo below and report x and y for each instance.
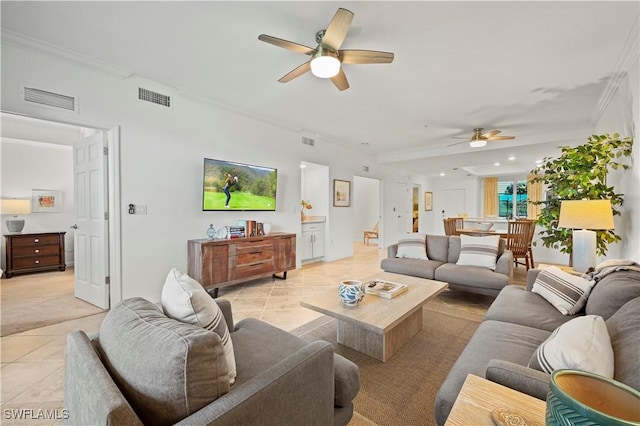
(266, 227)
(350, 292)
(585, 216)
(212, 233)
(15, 206)
(582, 398)
(565, 177)
(305, 206)
(341, 193)
(46, 201)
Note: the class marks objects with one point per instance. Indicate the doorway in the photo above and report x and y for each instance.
(366, 208)
(41, 134)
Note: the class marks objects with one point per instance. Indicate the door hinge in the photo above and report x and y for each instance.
(107, 280)
(105, 150)
(106, 215)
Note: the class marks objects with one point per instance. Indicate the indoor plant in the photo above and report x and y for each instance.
(580, 173)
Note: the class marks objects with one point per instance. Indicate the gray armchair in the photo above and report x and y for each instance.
(281, 379)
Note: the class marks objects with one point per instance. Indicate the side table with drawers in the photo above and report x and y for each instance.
(34, 252)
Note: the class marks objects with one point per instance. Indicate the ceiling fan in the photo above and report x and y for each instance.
(326, 58)
(480, 139)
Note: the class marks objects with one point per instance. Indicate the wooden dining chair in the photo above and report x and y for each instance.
(451, 224)
(519, 239)
(372, 234)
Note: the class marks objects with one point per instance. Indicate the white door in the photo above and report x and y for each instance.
(91, 263)
(404, 207)
(452, 203)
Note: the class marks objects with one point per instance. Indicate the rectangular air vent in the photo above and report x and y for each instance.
(154, 97)
(43, 97)
(308, 141)
(365, 169)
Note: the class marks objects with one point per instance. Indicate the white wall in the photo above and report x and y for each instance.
(29, 165)
(621, 116)
(161, 156)
(471, 185)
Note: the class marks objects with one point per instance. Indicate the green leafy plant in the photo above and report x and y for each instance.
(580, 173)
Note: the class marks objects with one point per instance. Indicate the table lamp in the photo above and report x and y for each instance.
(585, 216)
(15, 206)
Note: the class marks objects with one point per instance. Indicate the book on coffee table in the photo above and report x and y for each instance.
(383, 288)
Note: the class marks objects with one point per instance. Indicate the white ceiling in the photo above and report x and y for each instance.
(536, 70)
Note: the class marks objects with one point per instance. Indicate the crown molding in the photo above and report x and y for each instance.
(629, 56)
(12, 38)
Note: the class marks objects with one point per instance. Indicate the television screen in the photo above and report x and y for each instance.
(236, 186)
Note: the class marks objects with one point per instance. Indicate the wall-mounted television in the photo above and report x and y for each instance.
(227, 185)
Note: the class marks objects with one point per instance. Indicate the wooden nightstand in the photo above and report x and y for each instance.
(34, 252)
(479, 397)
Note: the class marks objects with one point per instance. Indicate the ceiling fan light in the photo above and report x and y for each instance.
(325, 64)
(478, 143)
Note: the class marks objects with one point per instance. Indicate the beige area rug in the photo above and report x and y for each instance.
(402, 391)
(37, 300)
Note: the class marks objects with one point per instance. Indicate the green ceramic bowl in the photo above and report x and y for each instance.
(585, 399)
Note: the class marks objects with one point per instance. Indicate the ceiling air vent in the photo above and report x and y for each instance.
(365, 169)
(154, 97)
(308, 141)
(42, 97)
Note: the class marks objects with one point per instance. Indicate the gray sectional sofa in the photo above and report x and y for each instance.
(519, 320)
(443, 252)
(161, 371)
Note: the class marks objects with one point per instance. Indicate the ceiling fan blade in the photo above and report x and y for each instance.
(340, 80)
(501, 138)
(491, 133)
(458, 143)
(337, 29)
(298, 48)
(297, 72)
(365, 57)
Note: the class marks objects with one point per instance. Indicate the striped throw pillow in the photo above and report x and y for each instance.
(413, 247)
(567, 293)
(184, 299)
(582, 343)
(479, 251)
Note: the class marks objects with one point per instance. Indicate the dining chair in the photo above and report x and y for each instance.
(372, 234)
(519, 239)
(451, 224)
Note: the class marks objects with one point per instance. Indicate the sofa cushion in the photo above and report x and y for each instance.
(624, 331)
(612, 292)
(516, 305)
(277, 344)
(166, 369)
(438, 247)
(580, 344)
(472, 276)
(184, 299)
(413, 247)
(413, 267)
(567, 293)
(479, 251)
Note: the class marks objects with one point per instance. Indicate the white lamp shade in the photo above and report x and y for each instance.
(15, 206)
(586, 214)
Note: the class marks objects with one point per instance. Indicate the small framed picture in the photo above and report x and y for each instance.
(46, 201)
(428, 201)
(341, 193)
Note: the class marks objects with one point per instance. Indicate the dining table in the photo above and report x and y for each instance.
(481, 232)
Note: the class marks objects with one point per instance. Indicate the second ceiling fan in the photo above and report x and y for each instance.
(480, 139)
(327, 58)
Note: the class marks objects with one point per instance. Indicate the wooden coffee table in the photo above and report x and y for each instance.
(376, 326)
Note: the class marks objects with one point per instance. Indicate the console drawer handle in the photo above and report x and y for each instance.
(36, 240)
(37, 261)
(37, 251)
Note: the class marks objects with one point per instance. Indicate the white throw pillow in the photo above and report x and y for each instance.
(567, 293)
(185, 300)
(413, 247)
(582, 343)
(479, 251)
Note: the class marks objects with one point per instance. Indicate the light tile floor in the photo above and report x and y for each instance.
(32, 362)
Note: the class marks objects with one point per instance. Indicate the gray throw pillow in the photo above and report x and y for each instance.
(166, 369)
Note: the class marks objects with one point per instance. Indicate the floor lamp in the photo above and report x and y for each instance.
(585, 216)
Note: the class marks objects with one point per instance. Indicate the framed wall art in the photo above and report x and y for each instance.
(341, 193)
(46, 201)
(428, 201)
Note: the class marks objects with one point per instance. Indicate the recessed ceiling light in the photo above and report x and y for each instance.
(496, 164)
(512, 158)
(442, 174)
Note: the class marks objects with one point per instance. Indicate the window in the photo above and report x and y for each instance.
(512, 198)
